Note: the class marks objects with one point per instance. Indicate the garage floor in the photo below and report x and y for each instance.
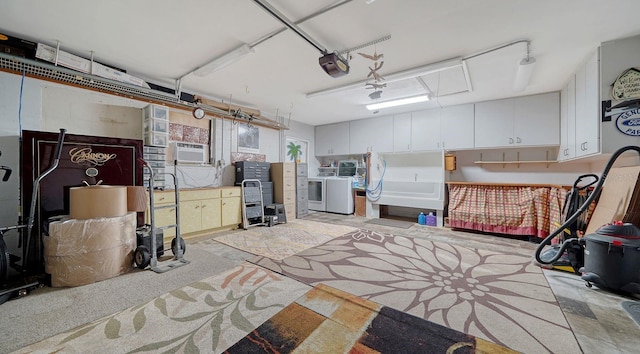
(597, 317)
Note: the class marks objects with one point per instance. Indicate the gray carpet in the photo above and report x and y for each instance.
(48, 311)
(391, 222)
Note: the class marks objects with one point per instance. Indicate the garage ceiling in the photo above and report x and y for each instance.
(164, 40)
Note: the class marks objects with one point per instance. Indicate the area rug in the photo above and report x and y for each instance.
(390, 222)
(327, 320)
(205, 317)
(282, 240)
(491, 295)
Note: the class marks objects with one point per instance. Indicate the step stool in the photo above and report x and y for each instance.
(278, 210)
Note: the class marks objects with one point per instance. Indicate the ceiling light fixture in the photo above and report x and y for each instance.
(223, 61)
(525, 69)
(398, 102)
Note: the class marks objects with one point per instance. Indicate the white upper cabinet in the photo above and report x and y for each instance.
(371, 134)
(425, 130)
(402, 132)
(580, 107)
(332, 139)
(537, 120)
(494, 124)
(456, 127)
(518, 122)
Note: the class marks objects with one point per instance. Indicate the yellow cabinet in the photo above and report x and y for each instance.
(211, 213)
(164, 216)
(200, 209)
(190, 216)
(231, 206)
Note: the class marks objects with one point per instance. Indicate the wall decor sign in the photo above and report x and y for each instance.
(627, 85)
(248, 138)
(629, 122)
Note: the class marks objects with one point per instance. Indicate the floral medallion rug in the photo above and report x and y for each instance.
(205, 317)
(491, 295)
(282, 240)
(327, 320)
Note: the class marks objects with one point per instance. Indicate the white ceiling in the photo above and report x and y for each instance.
(162, 40)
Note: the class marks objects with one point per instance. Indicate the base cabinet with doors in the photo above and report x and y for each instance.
(200, 209)
(518, 122)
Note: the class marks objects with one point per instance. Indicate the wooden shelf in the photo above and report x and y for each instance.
(517, 162)
(513, 162)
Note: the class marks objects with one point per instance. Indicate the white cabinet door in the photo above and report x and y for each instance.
(402, 132)
(425, 130)
(371, 134)
(332, 139)
(587, 124)
(563, 151)
(456, 127)
(359, 136)
(381, 138)
(494, 124)
(571, 117)
(537, 120)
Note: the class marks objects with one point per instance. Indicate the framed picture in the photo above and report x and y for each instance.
(248, 138)
(297, 150)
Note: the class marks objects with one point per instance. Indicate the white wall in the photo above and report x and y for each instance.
(304, 132)
(47, 106)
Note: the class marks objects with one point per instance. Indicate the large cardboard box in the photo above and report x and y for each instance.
(618, 199)
(79, 252)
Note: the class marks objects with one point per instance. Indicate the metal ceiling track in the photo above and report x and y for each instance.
(49, 72)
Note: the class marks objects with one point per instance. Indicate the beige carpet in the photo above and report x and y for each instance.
(496, 296)
(205, 317)
(281, 241)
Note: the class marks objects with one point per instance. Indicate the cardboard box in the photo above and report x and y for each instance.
(79, 252)
(98, 69)
(65, 59)
(618, 199)
(77, 63)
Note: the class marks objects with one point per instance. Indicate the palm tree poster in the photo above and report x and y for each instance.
(296, 150)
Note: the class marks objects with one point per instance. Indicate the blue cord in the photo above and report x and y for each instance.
(376, 193)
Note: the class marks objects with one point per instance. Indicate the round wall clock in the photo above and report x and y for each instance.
(198, 113)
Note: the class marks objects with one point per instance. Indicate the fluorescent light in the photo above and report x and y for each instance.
(223, 61)
(398, 102)
(525, 69)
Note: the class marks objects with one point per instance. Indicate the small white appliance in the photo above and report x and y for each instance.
(317, 189)
(188, 152)
(340, 195)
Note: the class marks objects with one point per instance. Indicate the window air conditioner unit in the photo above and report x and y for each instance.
(188, 152)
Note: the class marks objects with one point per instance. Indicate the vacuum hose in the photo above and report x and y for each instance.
(585, 205)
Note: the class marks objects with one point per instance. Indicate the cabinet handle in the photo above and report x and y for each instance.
(518, 140)
(204, 206)
(586, 145)
(197, 207)
(510, 140)
(566, 152)
(408, 146)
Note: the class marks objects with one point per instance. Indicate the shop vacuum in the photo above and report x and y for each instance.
(611, 256)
